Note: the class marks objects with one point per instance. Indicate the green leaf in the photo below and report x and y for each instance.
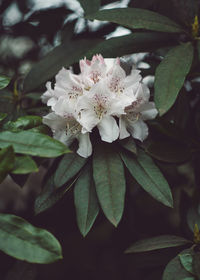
(68, 167)
(129, 145)
(86, 201)
(137, 19)
(156, 243)
(193, 217)
(63, 55)
(148, 175)
(90, 6)
(132, 43)
(196, 264)
(186, 259)
(30, 143)
(170, 76)
(174, 270)
(110, 183)
(4, 81)
(23, 241)
(3, 116)
(7, 159)
(23, 123)
(50, 195)
(169, 151)
(24, 165)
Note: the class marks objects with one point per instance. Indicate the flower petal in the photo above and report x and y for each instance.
(123, 133)
(148, 111)
(85, 146)
(138, 129)
(108, 129)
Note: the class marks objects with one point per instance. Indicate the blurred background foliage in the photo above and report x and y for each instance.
(30, 30)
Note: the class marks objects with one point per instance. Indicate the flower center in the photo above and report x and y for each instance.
(100, 104)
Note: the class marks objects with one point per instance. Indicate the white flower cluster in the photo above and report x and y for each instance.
(101, 95)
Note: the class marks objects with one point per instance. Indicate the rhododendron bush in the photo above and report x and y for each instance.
(99, 141)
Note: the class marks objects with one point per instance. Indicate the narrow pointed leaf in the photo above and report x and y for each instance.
(24, 165)
(156, 243)
(109, 180)
(148, 175)
(171, 74)
(3, 116)
(186, 259)
(30, 143)
(4, 81)
(21, 240)
(129, 145)
(174, 270)
(137, 19)
(90, 6)
(86, 201)
(68, 167)
(7, 159)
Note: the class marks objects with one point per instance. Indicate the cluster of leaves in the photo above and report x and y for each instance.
(103, 182)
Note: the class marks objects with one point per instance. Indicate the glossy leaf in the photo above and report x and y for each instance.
(68, 167)
(109, 180)
(171, 74)
(137, 19)
(86, 201)
(30, 143)
(129, 145)
(132, 43)
(148, 175)
(25, 122)
(186, 259)
(90, 6)
(50, 195)
(169, 151)
(4, 81)
(7, 159)
(156, 243)
(63, 55)
(174, 270)
(23, 241)
(196, 264)
(24, 165)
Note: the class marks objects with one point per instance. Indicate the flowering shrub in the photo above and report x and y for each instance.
(101, 92)
(109, 150)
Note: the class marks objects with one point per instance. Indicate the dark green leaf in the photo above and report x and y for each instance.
(158, 242)
(109, 180)
(3, 116)
(193, 217)
(50, 195)
(4, 81)
(23, 241)
(85, 200)
(132, 43)
(30, 143)
(90, 6)
(23, 123)
(169, 151)
(174, 270)
(7, 159)
(148, 175)
(24, 165)
(170, 76)
(196, 264)
(68, 167)
(186, 259)
(137, 19)
(63, 55)
(129, 145)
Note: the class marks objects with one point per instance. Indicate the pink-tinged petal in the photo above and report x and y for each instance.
(143, 92)
(138, 129)
(108, 129)
(133, 78)
(85, 146)
(109, 63)
(148, 111)
(123, 133)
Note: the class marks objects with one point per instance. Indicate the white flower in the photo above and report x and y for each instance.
(101, 96)
(66, 129)
(139, 111)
